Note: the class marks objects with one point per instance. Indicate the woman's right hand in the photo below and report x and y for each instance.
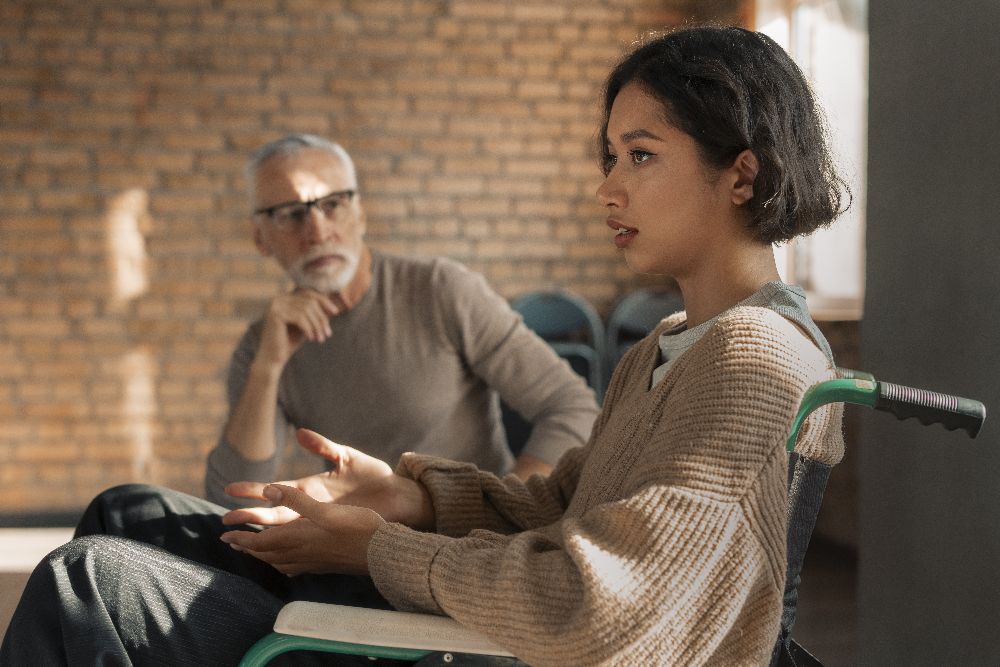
(355, 479)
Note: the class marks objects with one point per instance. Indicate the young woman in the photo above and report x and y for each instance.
(660, 542)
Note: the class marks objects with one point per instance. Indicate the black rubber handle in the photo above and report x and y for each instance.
(931, 407)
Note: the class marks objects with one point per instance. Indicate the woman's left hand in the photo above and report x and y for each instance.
(326, 537)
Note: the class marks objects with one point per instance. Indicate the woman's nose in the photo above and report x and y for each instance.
(610, 193)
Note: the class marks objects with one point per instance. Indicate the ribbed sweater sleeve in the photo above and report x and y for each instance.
(671, 549)
(466, 498)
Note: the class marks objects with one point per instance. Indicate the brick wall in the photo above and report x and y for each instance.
(126, 270)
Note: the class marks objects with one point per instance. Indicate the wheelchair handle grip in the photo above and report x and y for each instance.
(930, 407)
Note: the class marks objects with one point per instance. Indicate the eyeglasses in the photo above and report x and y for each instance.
(294, 215)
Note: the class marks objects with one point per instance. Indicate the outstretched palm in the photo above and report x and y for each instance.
(354, 479)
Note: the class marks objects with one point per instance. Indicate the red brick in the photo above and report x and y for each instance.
(15, 94)
(486, 165)
(181, 202)
(539, 89)
(62, 32)
(425, 86)
(14, 201)
(455, 185)
(316, 123)
(193, 140)
(516, 185)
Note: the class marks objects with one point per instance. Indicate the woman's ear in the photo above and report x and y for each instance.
(744, 169)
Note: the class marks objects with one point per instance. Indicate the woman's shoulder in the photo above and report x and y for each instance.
(757, 355)
(761, 334)
(731, 400)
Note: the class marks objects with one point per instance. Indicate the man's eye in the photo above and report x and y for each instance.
(298, 214)
(639, 156)
(330, 205)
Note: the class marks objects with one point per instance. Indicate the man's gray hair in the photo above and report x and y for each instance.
(291, 145)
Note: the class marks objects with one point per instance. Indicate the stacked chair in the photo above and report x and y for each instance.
(633, 317)
(571, 326)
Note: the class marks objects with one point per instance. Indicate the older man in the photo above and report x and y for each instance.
(384, 353)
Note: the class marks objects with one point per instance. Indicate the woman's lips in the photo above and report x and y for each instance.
(625, 234)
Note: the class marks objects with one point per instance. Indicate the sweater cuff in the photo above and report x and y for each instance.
(399, 561)
(455, 489)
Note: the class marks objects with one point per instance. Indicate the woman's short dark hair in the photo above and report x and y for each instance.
(731, 89)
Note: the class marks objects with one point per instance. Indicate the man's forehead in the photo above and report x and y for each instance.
(306, 174)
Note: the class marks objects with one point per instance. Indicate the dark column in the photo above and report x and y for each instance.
(930, 499)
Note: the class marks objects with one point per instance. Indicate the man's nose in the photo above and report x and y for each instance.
(318, 228)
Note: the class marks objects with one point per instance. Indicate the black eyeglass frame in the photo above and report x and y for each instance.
(269, 210)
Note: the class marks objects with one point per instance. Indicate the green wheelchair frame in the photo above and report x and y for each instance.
(298, 626)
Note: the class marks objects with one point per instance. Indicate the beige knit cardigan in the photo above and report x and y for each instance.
(660, 542)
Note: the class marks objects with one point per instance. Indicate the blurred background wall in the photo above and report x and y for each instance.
(126, 267)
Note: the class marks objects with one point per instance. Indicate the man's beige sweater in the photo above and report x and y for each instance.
(660, 542)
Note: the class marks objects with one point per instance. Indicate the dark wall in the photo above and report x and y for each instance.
(930, 499)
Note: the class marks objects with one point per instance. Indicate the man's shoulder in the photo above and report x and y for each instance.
(418, 263)
(422, 270)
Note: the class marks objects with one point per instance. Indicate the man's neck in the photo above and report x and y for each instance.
(349, 297)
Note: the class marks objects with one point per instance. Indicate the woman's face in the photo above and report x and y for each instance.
(664, 203)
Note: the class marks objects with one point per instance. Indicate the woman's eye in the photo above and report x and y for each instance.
(609, 163)
(639, 156)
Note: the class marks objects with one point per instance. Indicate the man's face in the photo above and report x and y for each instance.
(321, 249)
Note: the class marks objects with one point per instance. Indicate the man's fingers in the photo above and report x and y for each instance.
(307, 326)
(324, 317)
(329, 307)
(324, 301)
(320, 308)
(319, 320)
(308, 312)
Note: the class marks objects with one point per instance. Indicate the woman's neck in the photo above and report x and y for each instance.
(726, 280)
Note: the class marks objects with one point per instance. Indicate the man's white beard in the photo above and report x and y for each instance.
(326, 280)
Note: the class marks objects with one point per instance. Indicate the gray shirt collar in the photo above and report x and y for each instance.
(789, 301)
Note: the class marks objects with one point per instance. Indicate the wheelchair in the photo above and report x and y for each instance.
(407, 636)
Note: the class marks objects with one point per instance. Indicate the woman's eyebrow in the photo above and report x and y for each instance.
(640, 133)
